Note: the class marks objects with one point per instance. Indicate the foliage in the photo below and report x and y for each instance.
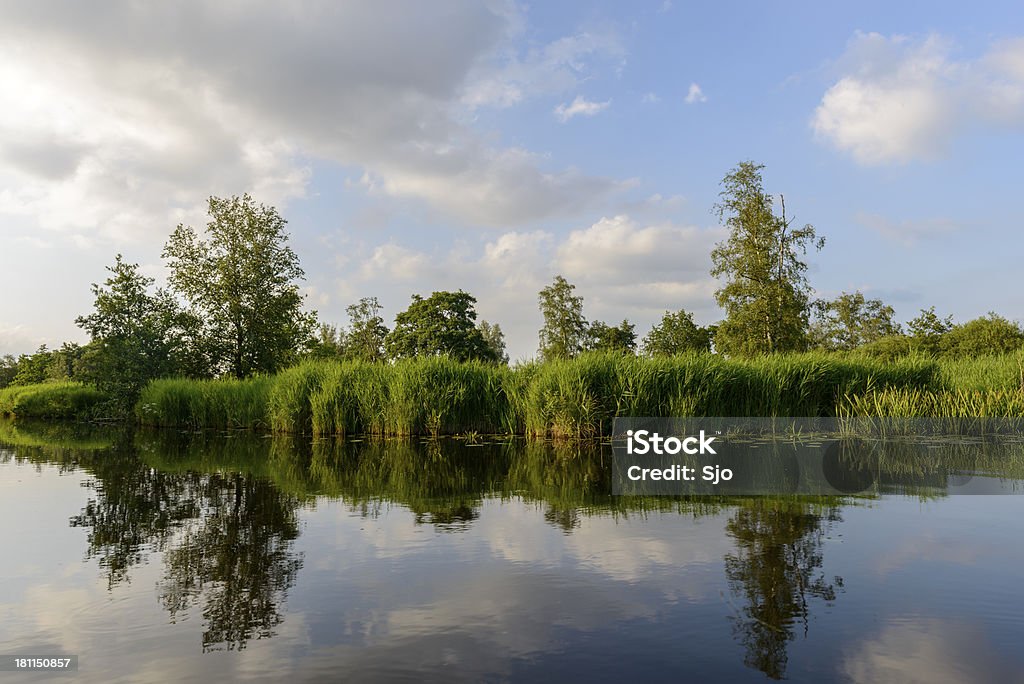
(927, 329)
(51, 400)
(495, 340)
(367, 332)
(676, 334)
(443, 324)
(765, 292)
(608, 338)
(566, 398)
(990, 334)
(137, 336)
(564, 333)
(241, 282)
(851, 321)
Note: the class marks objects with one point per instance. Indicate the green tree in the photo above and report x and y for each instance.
(765, 292)
(33, 368)
(135, 334)
(328, 343)
(614, 338)
(927, 329)
(495, 340)
(242, 282)
(990, 334)
(565, 329)
(367, 332)
(851, 321)
(443, 324)
(676, 334)
(8, 369)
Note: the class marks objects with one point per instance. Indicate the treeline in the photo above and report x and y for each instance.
(233, 308)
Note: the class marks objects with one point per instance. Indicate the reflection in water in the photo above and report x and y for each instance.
(776, 571)
(236, 558)
(223, 513)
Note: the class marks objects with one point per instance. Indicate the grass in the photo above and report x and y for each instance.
(578, 398)
(51, 400)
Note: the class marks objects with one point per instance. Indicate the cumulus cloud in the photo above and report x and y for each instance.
(695, 94)
(579, 107)
(901, 99)
(128, 115)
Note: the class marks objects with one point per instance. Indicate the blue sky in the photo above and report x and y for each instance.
(490, 145)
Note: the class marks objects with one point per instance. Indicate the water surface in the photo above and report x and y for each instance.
(194, 557)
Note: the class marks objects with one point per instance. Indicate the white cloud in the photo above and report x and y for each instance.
(579, 107)
(901, 99)
(695, 94)
(650, 98)
(126, 117)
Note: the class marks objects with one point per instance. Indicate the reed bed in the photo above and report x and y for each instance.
(576, 398)
(50, 400)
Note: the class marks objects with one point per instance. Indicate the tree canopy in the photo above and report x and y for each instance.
(676, 334)
(765, 292)
(564, 333)
(242, 282)
(443, 324)
(851, 321)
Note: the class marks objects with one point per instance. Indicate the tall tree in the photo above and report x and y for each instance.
(443, 324)
(851, 321)
(765, 292)
(242, 281)
(495, 340)
(137, 335)
(612, 338)
(565, 329)
(367, 332)
(676, 334)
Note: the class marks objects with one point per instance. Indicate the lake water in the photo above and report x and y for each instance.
(162, 557)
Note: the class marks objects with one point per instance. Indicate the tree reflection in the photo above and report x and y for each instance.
(776, 571)
(236, 559)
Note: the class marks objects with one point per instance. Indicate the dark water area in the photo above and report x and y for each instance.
(168, 556)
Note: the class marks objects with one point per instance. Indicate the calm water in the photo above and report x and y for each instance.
(176, 557)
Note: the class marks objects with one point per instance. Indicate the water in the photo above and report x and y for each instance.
(175, 557)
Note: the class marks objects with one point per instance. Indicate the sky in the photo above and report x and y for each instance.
(489, 146)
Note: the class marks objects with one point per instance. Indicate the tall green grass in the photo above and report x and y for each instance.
(51, 400)
(575, 398)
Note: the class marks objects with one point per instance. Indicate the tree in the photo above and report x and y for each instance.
(443, 324)
(32, 368)
(328, 343)
(927, 329)
(676, 334)
(765, 292)
(495, 340)
(990, 334)
(851, 321)
(367, 332)
(8, 370)
(135, 334)
(604, 337)
(241, 281)
(565, 329)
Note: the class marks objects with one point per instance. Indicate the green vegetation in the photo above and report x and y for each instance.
(53, 400)
(568, 398)
(443, 324)
(241, 283)
(765, 292)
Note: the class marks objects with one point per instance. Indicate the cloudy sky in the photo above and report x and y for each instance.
(416, 146)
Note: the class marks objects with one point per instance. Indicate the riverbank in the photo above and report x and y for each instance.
(575, 398)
